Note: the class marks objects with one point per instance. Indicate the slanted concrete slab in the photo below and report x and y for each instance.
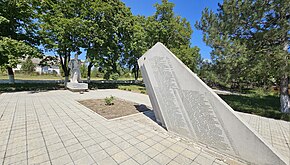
(185, 105)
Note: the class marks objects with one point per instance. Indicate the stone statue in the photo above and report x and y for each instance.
(74, 66)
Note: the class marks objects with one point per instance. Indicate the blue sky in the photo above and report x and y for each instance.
(189, 9)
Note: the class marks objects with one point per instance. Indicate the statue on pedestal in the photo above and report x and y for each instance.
(74, 66)
(75, 84)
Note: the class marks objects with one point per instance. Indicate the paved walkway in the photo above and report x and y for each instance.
(53, 128)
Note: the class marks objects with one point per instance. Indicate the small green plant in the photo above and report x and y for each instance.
(109, 100)
(143, 92)
(115, 76)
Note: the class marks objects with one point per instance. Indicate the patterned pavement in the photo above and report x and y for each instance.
(53, 128)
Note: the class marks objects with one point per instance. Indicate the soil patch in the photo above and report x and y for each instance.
(118, 109)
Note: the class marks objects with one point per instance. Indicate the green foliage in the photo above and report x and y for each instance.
(244, 35)
(17, 32)
(27, 66)
(250, 41)
(165, 27)
(115, 76)
(174, 32)
(12, 51)
(109, 100)
(190, 56)
(97, 73)
(84, 70)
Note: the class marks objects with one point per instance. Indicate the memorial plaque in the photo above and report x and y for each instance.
(185, 105)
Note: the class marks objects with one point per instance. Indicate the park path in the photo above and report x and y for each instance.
(53, 128)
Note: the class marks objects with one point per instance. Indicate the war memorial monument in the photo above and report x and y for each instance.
(186, 106)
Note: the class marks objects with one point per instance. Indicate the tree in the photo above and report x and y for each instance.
(137, 44)
(190, 56)
(60, 27)
(93, 31)
(174, 32)
(251, 39)
(117, 24)
(17, 33)
(28, 66)
(165, 27)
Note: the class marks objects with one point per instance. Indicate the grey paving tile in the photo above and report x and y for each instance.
(36, 152)
(84, 161)
(38, 159)
(162, 159)
(177, 148)
(99, 155)
(61, 160)
(120, 157)
(106, 144)
(57, 153)
(78, 154)
(93, 148)
(107, 161)
(112, 150)
(15, 158)
(130, 162)
(204, 159)
(170, 153)
(141, 158)
(182, 159)
(159, 147)
(132, 151)
(123, 145)
(151, 162)
(189, 154)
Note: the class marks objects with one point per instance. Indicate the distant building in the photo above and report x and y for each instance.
(40, 69)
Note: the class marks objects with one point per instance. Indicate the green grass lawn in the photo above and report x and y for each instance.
(133, 88)
(32, 77)
(266, 105)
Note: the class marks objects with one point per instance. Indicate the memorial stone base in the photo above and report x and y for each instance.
(77, 87)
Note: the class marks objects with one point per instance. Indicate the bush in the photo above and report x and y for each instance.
(115, 76)
(28, 66)
(109, 100)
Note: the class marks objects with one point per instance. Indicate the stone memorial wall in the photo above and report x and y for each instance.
(185, 105)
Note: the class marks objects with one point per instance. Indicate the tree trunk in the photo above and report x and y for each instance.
(89, 71)
(11, 75)
(284, 82)
(136, 71)
(63, 62)
(284, 96)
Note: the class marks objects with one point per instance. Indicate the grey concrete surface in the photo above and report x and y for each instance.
(53, 128)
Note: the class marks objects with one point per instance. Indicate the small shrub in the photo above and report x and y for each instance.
(115, 76)
(143, 92)
(109, 100)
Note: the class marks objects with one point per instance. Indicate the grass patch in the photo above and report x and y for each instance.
(33, 77)
(133, 88)
(267, 106)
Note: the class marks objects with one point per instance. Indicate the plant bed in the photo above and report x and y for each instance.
(118, 108)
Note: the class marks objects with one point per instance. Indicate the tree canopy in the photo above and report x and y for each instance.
(250, 41)
(17, 32)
